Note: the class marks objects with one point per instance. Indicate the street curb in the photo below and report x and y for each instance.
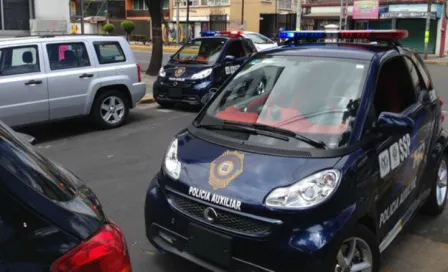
(147, 99)
(435, 62)
(149, 48)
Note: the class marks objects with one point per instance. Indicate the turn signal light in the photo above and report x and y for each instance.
(106, 251)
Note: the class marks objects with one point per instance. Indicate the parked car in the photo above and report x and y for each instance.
(49, 219)
(319, 172)
(199, 66)
(57, 77)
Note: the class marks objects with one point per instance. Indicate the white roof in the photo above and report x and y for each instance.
(56, 38)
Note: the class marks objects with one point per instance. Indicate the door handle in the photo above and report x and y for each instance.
(33, 82)
(85, 75)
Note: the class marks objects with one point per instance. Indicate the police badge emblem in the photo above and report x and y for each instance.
(180, 71)
(225, 168)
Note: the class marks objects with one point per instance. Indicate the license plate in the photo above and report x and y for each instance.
(210, 245)
(175, 92)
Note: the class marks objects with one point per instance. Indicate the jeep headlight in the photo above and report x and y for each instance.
(202, 74)
(162, 72)
(171, 164)
(307, 192)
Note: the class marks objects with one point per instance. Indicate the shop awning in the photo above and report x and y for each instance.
(325, 15)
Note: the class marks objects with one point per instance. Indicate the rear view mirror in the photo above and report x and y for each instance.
(394, 123)
(208, 96)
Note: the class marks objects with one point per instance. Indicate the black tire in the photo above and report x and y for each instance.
(97, 112)
(165, 104)
(432, 206)
(361, 233)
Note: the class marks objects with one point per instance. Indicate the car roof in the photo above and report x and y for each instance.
(335, 50)
(56, 38)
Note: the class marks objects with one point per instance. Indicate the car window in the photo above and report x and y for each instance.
(395, 88)
(19, 60)
(250, 48)
(423, 71)
(109, 52)
(34, 170)
(416, 82)
(236, 49)
(312, 96)
(258, 38)
(200, 51)
(67, 55)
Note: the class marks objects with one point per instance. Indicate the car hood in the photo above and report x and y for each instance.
(210, 172)
(182, 72)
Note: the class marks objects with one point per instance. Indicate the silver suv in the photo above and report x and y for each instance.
(56, 77)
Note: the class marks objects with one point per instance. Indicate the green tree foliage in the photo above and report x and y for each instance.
(128, 27)
(108, 28)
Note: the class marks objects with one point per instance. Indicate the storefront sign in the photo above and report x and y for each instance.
(406, 15)
(365, 9)
(435, 8)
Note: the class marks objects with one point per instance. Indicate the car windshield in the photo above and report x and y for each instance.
(203, 51)
(309, 96)
(258, 38)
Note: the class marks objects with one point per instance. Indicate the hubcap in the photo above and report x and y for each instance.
(441, 183)
(354, 255)
(112, 109)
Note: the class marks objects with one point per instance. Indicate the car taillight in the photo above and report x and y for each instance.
(440, 102)
(139, 73)
(105, 251)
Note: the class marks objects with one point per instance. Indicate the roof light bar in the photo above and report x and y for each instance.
(208, 33)
(372, 35)
(231, 33)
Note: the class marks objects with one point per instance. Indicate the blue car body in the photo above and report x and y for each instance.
(268, 239)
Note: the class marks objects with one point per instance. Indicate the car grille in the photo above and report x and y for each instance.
(177, 84)
(228, 221)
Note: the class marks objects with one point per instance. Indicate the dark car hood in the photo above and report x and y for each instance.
(252, 178)
(188, 70)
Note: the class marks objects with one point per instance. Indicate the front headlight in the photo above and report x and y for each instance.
(172, 165)
(162, 72)
(202, 74)
(306, 193)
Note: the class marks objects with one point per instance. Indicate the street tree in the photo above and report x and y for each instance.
(108, 28)
(128, 27)
(155, 8)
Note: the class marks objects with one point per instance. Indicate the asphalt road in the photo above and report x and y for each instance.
(118, 165)
(143, 58)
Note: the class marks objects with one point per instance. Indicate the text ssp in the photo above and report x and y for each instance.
(231, 69)
(393, 156)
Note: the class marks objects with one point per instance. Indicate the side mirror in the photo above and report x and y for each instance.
(27, 138)
(424, 97)
(208, 96)
(229, 58)
(394, 123)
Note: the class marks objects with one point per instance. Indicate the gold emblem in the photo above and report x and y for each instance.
(180, 71)
(225, 168)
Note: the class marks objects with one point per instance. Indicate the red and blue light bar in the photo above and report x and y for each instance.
(372, 35)
(220, 33)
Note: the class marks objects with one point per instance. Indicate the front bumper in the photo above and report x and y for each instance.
(185, 92)
(284, 248)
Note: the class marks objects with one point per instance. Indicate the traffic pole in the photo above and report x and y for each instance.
(82, 16)
(177, 21)
(427, 27)
(188, 20)
(340, 14)
(298, 14)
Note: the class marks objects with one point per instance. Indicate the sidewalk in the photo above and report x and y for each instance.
(166, 48)
(436, 60)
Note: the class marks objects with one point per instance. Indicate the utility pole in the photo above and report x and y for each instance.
(188, 20)
(428, 24)
(298, 14)
(242, 13)
(340, 14)
(346, 14)
(177, 21)
(82, 16)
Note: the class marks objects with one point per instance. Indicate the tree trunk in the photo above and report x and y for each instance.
(155, 10)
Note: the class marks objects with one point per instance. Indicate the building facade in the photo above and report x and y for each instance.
(25, 17)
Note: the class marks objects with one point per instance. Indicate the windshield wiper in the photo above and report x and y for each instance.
(241, 128)
(261, 127)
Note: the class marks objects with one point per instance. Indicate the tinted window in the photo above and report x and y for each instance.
(109, 52)
(423, 70)
(34, 170)
(312, 96)
(19, 60)
(200, 51)
(236, 49)
(413, 73)
(67, 55)
(250, 48)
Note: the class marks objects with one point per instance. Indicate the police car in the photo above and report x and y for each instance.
(200, 65)
(320, 171)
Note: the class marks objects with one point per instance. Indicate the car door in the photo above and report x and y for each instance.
(235, 49)
(398, 165)
(23, 85)
(71, 73)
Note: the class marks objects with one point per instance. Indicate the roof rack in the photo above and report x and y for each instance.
(390, 37)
